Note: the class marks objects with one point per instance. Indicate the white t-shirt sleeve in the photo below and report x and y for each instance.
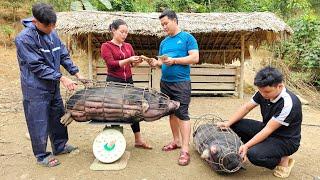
(284, 113)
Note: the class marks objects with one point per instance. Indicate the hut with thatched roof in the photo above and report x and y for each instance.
(222, 38)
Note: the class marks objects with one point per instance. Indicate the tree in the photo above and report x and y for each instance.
(14, 5)
(90, 5)
(6, 32)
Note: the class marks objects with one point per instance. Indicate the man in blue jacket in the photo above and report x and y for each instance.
(40, 53)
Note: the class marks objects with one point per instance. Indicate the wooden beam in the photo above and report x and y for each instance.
(213, 71)
(224, 57)
(90, 56)
(69, 43)
(241, 88)
(211, 79)
(213, 86)
(195, 92)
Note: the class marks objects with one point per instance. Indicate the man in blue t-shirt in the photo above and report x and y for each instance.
(270, 143)
(177, 51)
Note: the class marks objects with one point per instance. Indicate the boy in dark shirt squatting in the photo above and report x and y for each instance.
(269, 143)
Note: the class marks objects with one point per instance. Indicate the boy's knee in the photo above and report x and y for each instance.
(253, 155)
(259, 159)
(236, 127)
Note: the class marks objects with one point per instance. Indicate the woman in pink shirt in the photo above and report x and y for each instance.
(119, 57)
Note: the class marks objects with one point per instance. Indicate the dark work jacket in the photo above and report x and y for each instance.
(40, 56)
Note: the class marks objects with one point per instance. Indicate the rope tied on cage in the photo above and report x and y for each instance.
(144, 103)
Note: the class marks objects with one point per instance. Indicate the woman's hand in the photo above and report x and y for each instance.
(135, 59)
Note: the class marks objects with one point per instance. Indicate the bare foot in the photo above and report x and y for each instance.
(284, 161)
(142, 145)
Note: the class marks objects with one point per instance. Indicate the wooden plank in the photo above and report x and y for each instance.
(141, 78)
(103, 70)
(241, 86)
(101, 77)
(203, 79)
(216, 66)
(212, 86)
(141, 84)
(213, 92)
(90, 56)
(141, 70)
(212, 71)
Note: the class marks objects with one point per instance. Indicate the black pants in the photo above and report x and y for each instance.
(267, 153)
(181, 92)
(135, 126)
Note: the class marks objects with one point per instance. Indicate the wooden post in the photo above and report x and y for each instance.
(69, 43)
(224, 58)
(242, 67)
(150, 77)
(90, 56)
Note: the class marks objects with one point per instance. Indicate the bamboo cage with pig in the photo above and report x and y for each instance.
(117, 102)
(218, 147)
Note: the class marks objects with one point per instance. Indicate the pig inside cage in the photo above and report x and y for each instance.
(218, 147)
(118, 102)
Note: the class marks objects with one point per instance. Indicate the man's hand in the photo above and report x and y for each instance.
(82, 79)
(223, 125)
(167, 60)
(68, 83)
(243, 152)
(66, 119)
(153, 62)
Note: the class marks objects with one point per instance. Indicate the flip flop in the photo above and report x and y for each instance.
(184, 158)
(49, 161)
(67, 149)
(284, 172)
(143, 146)
(171, 146)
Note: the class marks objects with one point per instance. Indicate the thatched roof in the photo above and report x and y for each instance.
(217, 31)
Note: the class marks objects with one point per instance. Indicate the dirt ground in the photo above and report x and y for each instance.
(18, 162)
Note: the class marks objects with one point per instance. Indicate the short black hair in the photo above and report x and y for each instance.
(44, 13)
(116, 23)
(170, 14)
(268, 76)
